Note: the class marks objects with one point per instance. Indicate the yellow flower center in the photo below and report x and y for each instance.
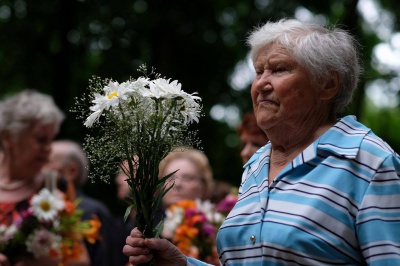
(114, 94)
(45, 205)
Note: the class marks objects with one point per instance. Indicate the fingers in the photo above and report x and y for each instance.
(137, 252)
(136, 249)
(140, 250)
(157, 244)
(136, 233)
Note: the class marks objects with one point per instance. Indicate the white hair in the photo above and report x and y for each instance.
(71, 151)
(321, 51)
(20, 110)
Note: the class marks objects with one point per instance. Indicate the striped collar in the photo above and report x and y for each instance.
(343, 139)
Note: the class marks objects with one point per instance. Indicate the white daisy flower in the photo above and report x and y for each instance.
(45, 205)
(161, 88)
(141, 85)
(191, 109)
(114, 94)
(173, 89)
(93, 118)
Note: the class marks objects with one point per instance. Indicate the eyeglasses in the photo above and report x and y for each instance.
(187, 178)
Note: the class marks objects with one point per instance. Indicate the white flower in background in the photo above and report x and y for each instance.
(173, 218)
(7, 233)
(46, 206)
(208, 209)
(41, 241)
(204, 206)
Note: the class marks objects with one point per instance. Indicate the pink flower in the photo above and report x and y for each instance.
(227, 204)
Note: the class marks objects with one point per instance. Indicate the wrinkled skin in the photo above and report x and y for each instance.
(165, 253)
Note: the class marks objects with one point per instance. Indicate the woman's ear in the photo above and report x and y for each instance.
(331, 87)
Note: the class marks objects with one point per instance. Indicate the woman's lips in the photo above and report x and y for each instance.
(267, 102)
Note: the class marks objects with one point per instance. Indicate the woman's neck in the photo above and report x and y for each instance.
(288, 142)
(14, 188)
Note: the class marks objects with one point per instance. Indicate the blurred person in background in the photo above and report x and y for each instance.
(29, 121)
(123, 227)
(194, 178)
(251, 136)
(220, 190)
(68, 159)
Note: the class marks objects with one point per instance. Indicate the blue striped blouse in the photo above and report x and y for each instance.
(337, 203)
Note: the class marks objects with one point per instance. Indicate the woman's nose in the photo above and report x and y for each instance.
(263, 82)
(177, 182)
(245, 153)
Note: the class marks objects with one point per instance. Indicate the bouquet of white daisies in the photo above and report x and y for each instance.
(138, 122)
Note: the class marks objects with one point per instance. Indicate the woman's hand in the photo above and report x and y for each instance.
(4, 260)
(141, 250)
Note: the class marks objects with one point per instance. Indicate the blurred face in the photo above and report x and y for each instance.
(122, 185)
(189, 183)
(282, 92)
(250, 143)
(57, 163)
(29, 152)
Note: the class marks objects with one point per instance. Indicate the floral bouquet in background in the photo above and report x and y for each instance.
(138, 121)
(50, 227)
(228, 202)
(192, 226)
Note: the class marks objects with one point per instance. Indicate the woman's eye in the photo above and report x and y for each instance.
(259, 71)
(279, 69)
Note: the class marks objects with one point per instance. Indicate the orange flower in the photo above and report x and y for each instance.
(91, 234)
(186, 204)
(69, 207)
(195, 219)
(187, 231)
(71, 250)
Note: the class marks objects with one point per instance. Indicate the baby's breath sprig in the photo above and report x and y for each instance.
(139, 122)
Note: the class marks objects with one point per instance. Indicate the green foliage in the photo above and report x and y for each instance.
(384, 122)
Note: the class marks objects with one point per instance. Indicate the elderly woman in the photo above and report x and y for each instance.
(323, 191)
(29, 121)
(193, 180)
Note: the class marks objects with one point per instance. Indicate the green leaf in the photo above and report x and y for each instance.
(158, 228)
(127, 212)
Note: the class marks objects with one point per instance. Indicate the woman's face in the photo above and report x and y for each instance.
(250, 144)
(30, 150)
(189, 183)
(122, 185)
(282, 92)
